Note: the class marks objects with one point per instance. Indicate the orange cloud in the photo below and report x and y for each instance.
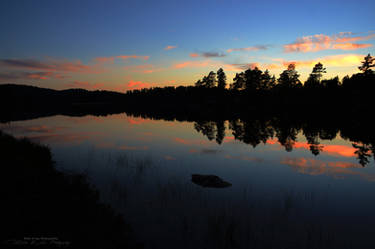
(169, 47)
(132, 85)
(105, 59)
(350, 46)
(354, 39)
(193, 55)
(344, 60)
(319, 42)
(126, 57)
(196, 64)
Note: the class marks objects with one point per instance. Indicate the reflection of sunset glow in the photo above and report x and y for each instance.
(182, 141)
(137, 121)
(169, 158)
(334, 150)
(64, 138)
(245, 158)
(126, 147)
(316, 167)
(228, 139)
(190, 141)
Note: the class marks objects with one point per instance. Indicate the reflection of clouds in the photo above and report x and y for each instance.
(244, 158)
(137, 121)
(32, 128)
(228, 139)
(169, 158)
(333, 150)
(204, 151)
(111, 145)
(127, 147)
(209, 151)
(311, 166)
(85, 119)
(190, 141)
(64, 138)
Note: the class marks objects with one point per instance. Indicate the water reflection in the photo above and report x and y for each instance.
(255, 132)
(283, 172)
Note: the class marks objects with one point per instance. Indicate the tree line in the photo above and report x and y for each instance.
(256, 79)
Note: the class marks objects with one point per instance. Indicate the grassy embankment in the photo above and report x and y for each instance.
(43, 207)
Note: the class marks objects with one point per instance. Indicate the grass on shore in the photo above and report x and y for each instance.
(43, 207)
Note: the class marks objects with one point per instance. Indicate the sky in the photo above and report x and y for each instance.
(125, 45)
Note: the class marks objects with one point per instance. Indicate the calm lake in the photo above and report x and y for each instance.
(290, 185)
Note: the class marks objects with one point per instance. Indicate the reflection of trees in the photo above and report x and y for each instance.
(220, 135)
(251, 132)
(207, 128)
(328, 133)
(287, 137)
(312, 137)
(363, 152)
(211, 129)
(258, 131)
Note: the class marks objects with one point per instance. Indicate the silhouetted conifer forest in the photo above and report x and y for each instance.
(257, 105)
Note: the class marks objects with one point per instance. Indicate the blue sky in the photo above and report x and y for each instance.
(61, 40)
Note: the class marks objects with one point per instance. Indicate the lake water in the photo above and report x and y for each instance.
(289, 186)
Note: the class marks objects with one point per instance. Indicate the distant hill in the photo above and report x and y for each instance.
(24, 102)
(38, 94)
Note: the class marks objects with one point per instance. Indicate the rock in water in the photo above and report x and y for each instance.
(209, 181)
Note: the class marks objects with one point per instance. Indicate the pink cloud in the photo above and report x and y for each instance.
(132, 85)
(350, 46)
(126, 57)
(169, 47)
(193, 64)
(319, 42)
(105, 59)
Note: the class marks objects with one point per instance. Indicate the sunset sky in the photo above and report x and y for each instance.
(122, 45)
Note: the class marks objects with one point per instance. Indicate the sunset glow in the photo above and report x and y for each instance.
(179, 45)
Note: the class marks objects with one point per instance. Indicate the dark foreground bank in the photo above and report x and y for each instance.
(44, 208)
